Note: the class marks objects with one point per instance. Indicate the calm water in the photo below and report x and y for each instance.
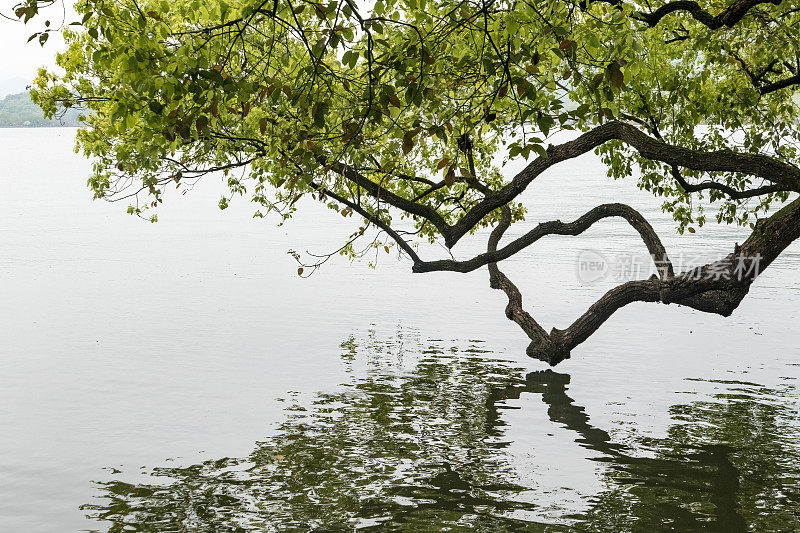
(181, 377)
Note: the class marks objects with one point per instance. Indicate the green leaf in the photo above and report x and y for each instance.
(539, 149)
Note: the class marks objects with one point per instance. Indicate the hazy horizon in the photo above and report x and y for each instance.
(18, 69)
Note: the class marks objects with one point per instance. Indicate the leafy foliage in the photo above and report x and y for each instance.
(424, 100)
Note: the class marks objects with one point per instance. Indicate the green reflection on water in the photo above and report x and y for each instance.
(417, 442)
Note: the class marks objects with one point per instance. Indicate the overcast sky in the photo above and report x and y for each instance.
(19, 60)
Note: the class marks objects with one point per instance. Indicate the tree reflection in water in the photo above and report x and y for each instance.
(416, 442)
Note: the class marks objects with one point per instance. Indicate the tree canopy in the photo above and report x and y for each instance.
(404, 113)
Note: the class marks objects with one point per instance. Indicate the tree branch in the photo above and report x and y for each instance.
(778, 172)
(389, 197)
(728, 191)
(498, 280)
(780, 84)
(370, 217)
(717, 287)
(556, 227)
(729, 17)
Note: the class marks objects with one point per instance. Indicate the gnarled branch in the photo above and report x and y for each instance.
(556, 227)
(773, 170)
(716, 287)
(721, 187)
(729, 17)
(540, 340)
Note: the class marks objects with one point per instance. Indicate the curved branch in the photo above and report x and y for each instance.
(707, 185)
(717, 287)
(783, 176)
(556, 227)
(498, 280)
(728, 191)
(773, 170)
(729, 17)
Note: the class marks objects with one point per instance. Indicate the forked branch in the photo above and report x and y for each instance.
(780, 175)
(783, 175)
(716, 287)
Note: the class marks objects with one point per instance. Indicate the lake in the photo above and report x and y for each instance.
(180, 376)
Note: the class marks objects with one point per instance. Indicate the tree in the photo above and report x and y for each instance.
(402, 113)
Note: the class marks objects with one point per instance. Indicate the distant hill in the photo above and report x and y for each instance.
(17, 111)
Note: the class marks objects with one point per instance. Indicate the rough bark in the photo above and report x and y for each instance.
(717, 287)
(728, 17)
(556, 227)
(773, 170)
(784, 176)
